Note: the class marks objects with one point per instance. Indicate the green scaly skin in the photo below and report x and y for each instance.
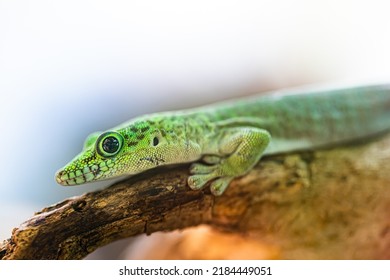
(227, 139)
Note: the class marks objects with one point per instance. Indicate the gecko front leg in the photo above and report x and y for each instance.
(236, 151)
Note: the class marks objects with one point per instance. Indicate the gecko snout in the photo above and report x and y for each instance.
(58, 176)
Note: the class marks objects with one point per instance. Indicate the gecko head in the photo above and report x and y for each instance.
(132, 149)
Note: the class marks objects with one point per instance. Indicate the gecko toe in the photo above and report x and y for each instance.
(198, 168)
(197, 182)
(211, 159)
(220, 185)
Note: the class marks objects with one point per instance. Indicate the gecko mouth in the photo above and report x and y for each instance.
(71, 178)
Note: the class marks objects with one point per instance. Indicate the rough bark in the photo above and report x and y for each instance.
(332, 203)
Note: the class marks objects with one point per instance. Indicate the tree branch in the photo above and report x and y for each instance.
(323, 204)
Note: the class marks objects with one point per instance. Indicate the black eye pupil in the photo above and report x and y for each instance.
(155, 141)
(110, 145)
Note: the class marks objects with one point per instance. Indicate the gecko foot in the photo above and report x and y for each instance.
(202, 174)
(238, 152)
(217, 186)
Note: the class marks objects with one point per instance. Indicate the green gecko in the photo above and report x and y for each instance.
(225, 140)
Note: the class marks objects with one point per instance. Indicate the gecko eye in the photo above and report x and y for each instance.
(109, 144)
(155, 141)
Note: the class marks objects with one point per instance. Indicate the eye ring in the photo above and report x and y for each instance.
(109, 144)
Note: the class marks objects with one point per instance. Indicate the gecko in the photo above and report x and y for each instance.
(225, 140)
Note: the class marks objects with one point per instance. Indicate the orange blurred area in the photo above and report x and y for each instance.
(199, 243)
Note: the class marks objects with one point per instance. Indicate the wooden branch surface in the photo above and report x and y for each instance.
(324, 204)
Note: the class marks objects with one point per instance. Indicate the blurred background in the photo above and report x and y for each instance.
(69, 68)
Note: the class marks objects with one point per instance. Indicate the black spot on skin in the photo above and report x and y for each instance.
(145, 128)
(155, 160)
(132, 143)
(140, 136)
(134, 129)
(163, 133)
(95, 171)
(148, 159)
(126, 136)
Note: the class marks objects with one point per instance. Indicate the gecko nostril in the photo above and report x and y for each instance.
(59, 175)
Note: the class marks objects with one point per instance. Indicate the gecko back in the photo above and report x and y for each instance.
(307, 118)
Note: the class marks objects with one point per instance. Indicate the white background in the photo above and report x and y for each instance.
(281, 270)
(68, 68)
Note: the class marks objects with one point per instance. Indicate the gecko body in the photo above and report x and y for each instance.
(225, 140)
